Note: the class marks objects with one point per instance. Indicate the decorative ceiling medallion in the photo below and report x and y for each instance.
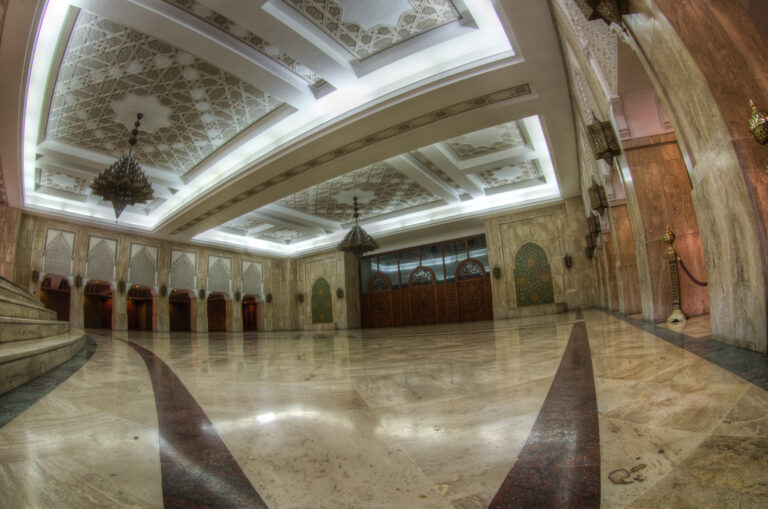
(487, 141)
(388, 189)
(105, 62)
(126, 108)
(237, 31)
(363, 42)
(361, 143)
(370, 14)
(283, 235)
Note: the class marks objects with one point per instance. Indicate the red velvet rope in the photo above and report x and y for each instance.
(685, 269)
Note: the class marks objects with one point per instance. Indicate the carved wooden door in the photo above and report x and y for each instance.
(423, 299)
(380, 301)
(473, 292)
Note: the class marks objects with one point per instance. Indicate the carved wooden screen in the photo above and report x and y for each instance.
(423, 296)
(380, 301)
(473, 291)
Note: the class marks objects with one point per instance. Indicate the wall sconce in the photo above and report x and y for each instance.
(237, 296)
(268, 298)
(121, 286)
(593, 222)
(163, 291)
(496, 272)
(300, 297)
(35, 276)
(78, 281)
(590, 249)
(568, 261)
(610, 11)
(758, 125)
(339, 293)
(201, 293)
(598, 198)
(603, 141)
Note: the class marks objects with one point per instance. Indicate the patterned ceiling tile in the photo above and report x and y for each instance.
(363, 42)
(595, 38)
(63, 182)
(487, 141)
(235, 30)
(105, 61)
(392, 191)
(511, 174)
(282, 235)
(427, 163)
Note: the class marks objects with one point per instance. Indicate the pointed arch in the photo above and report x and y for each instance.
(322, 302)
(533, 276)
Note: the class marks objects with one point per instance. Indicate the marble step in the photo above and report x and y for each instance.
(23, 309)
(21, 361)
(14, 291)
(19, 329)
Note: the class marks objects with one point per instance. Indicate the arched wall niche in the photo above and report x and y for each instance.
(533, 276)
(322, 301)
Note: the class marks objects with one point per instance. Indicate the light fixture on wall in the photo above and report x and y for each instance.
(497, 272)
(357, 240)
(598, 198)
(610, 11)
(237, 296)
(590, 249)
(300, 298)
(123, 183)
(758, 125)
(339, 293)
(163, 291)
(121, 286)
(268, 298)
(568, 261)
(602, 139)
(35, 275)
(201, 293)
(78, 281)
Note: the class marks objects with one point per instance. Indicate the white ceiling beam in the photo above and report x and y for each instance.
(295, 42)
(438, 158)
(196, 36)
(410, 167)
(290, 214)
(288, 224)
(253, 232)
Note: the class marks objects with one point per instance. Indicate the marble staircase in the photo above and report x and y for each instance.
(32, 341)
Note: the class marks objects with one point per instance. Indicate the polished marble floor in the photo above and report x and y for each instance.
(568, 410)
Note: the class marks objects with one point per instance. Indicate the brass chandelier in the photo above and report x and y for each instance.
(357, 240)
(123, 183)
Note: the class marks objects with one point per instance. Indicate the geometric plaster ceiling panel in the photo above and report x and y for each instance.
(487, 141)
(105, 63)
(237, 31)
(391, 192)
(410, 19)
(63, 182)
(243, 223)
(596, 39)
(511, 174)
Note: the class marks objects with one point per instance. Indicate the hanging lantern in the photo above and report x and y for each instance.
(357, 240)
(123, 183)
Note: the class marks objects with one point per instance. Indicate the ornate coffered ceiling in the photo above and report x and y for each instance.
(264, 118)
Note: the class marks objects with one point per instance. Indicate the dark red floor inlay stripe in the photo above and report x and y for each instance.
(197, 468)
(559, 465)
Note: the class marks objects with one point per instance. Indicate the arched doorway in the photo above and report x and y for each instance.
(180, 310)
(421, 284)
(140, 308)
(250, 313)
(97, 305)
(218, 312)
(55, 295)
(473, 291)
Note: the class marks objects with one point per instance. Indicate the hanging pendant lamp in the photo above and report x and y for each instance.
(357, 240)
(123, 183)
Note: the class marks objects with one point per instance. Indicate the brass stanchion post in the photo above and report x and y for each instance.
(677, 315)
